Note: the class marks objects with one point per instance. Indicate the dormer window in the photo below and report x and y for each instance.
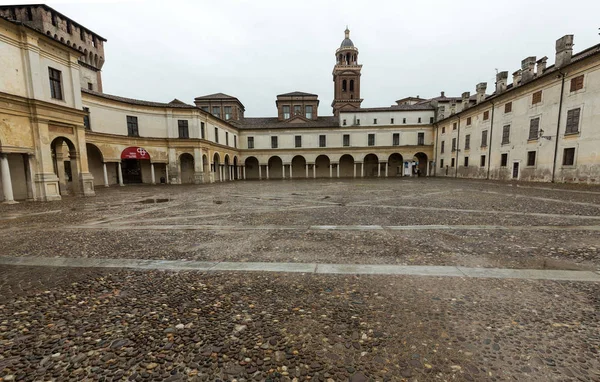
(297, 109)
(309, 112)
(286, 112)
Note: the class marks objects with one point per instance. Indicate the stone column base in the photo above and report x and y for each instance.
(198, 177)
(47, 185)
(86, 184)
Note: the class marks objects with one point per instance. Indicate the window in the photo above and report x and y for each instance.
(396, 139)
(216, 135)
(441, 163)
(344, 122)
(484, 138)
(86, 118)
(90, 86)
(392, 121)
(322, 141)
(506, 134)
(235, 141)
(430, 119)
(346, 140)
(508, 107)
(250, 142)
(534, 128)
(298, 140)
(286, 111)
(469, 121)
(55, 83)
(204, 108)
(351, 85)
(573, 121)
(358, 121)
(375, 121)
(371, 140)
(82, 34)
(419, 119)
(29, 14)
(273, 142)
(403, 120)
(53, 18)
(344, 85)
(69, 29)
(452, 162)
(482, 161)
(227, 112)
(94, 41)
(184, 132)
(216, 111)
(454, 125)
(468, 142)
(504, 160)
(486, 115)
(420, 139)
(453, 144)
(466, 164)
(309, 112)
(297, 109)
(531, 158)
(202, 131)
(577, 83)
(443, 147)
(536, 98)
(226, 138)
(569, 157)
(443, 129)
(132, 126)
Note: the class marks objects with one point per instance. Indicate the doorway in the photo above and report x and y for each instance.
(515, 172)
(132, 171)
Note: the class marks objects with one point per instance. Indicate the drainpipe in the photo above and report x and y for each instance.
(435, 158)
(457, 146)
(490, 146)
(562, 88)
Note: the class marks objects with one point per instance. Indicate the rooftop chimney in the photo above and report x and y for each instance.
(516, 78)
(465, 100)
(541, 65)
(501, 81)
(528, 69)
(442, 94)
(481, 91)
(564, 50)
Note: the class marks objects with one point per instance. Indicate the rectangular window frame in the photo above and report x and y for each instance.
(216, 135)
(576, 83)
(467, 142)
(420, 138)
(504, 160)
(274, 142)
(531, 158)
(482, 161)
(569, 156)
(286, 110)
(228, 111)
(573, 121)
(505, 135)
(298, 141)
(508, 107)
(183, 129)
(132, 126)
(396, 139)
(322, 140)
(536, 98)
(250, 142)
(308, 111)
(346, 140)
(534, 129)
(202, 131)
(56, 90)
(371, 139)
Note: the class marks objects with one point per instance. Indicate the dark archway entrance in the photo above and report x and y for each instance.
(346, 166)
(298, 167)
(371, 162)
(65, 165)
(96, 164)
(275, 168)
(395, 165)
(186, 165)
(421, 167)
(251, 165)
(131, 165)
(322, 163)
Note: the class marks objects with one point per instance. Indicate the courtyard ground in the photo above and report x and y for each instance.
(102, 323)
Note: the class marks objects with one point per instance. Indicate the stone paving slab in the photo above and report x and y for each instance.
(363, 269)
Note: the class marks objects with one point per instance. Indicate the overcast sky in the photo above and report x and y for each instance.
(254, 49)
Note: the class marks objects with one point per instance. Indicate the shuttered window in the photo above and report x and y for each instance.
(534, 128)
(506, 134)
(486, 115)
(508, 107)
(536, 98)
(573, 121)
(577, 83)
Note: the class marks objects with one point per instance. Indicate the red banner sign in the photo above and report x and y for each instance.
(135, 153)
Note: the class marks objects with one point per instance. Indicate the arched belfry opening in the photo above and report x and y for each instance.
(346, 76)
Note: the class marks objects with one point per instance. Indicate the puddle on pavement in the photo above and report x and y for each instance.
(154, 200)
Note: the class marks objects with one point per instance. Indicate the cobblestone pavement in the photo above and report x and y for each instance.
(518, 226)
(113, 324)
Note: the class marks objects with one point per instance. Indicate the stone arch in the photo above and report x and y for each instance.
(346, 166)
(422, 160)
(95, 159)
(395, 165)
(64, 157)
(322, 164)
(370, 164)
(216, 166)
(186, 168)
(251, 165)
(275, 165)
(298, 167)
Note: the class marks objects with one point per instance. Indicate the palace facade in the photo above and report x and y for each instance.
(60, 134)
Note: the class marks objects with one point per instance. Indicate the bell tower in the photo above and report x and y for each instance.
(346, 77)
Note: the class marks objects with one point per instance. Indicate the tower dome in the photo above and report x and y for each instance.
(347, 43)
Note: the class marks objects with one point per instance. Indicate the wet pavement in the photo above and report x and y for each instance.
(60, 323)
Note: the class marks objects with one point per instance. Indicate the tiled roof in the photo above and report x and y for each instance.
(131, 101)
(296, 93)
(274, 123)
(217, 96)
(418, 106)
